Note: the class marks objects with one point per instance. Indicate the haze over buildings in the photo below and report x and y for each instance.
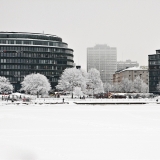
(126, 64)
(131, 26)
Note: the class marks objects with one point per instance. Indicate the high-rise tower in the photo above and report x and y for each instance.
(104, 59)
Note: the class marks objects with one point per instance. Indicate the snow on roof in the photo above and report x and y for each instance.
(134, 69)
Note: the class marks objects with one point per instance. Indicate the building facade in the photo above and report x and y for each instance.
(154, 71)
(131, 74)
(126, 64)
(25, 53)
(104, 59)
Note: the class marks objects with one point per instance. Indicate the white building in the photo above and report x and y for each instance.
(131, 74)
(104, 59)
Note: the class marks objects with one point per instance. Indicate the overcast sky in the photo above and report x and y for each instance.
(132, 26)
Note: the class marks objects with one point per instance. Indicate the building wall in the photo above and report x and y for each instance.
(25, 53)
(131, 75)
(104, 59)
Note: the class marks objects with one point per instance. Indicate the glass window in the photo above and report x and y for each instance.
(3, 41)
(26, 42)
(18, 42)
(10, 41)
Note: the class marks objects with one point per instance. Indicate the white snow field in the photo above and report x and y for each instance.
(79, 132)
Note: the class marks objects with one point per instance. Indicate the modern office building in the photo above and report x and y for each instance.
(131, 74)
(154, 71)
(104, 59)
(24, 53)
(126, 64)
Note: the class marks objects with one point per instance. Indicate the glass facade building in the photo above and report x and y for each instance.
(25, 53)
(154, 71)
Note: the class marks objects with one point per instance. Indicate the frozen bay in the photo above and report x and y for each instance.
(69, 132)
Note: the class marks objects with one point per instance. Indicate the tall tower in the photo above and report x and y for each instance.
(104, 59)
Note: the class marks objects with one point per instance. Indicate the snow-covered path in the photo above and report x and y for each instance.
(80, 132)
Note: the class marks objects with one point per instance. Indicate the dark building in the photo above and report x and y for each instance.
(154, 71)
(25, 53)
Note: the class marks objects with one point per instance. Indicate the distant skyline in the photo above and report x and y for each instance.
(132, 26)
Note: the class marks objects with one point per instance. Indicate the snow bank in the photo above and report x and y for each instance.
(87, 132)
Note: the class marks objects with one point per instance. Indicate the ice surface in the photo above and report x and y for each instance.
(80, 132)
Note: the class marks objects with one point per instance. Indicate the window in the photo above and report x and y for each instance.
(27, 42)
(10, 41)
(3, 41)
(18, 42)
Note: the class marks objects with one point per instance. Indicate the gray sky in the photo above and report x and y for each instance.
(130, 25)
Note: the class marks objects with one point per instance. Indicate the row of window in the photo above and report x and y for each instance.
(30, 36)
(20, 79)
(154, 62)
(35, 49)
(28, 61)
(153, 83)
(34, 55)
(27, 42)
(34, 61)
(154, 78)
(154, 57)
(23, 73)
(44, 67)
(153, 73)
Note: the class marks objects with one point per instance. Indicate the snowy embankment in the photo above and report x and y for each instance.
(79, 132)
(79, 101)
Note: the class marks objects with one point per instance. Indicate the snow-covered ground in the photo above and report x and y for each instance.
(79, 132)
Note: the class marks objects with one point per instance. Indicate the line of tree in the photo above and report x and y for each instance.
(32, 84)
(78, 82)
(127, 86)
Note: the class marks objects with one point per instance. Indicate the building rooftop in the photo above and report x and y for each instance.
(143, 68)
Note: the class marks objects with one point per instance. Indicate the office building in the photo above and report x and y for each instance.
(126, 64)
(24, 53)
(154, 71)
(103, 58)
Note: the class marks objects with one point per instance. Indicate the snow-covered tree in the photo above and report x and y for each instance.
(107, 87)
(145, 88)
(77, 91)
(116, 87)
(126, 85)
(140, 86)
(94, 82)
(71, 78)
(36, 84)
(5, 85)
